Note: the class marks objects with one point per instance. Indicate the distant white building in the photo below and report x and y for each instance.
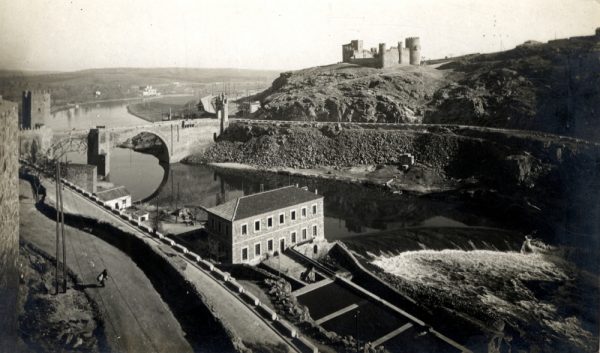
(254, 106)
(117, 197)
(148, 91)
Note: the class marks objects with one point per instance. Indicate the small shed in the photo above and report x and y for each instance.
(140, 215)
(117, 197)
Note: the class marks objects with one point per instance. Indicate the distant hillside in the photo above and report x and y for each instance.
(553, 87)
(115, 83)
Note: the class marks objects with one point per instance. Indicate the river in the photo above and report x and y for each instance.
(351, 209)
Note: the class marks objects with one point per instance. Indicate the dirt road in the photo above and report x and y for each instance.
(136, 318)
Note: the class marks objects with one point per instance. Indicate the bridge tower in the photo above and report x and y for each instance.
(222, 104)
(36, 109)
(98, 151)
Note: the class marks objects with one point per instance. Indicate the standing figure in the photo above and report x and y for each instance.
(102, 277)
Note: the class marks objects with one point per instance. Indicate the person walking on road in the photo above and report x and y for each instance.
(102, 277)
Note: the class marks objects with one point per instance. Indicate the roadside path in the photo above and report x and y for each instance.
(242, 323)
(136, 318)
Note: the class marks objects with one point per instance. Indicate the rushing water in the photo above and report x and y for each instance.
(351, 209)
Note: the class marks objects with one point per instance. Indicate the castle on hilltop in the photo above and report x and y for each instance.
(354, 53)
(36, 109)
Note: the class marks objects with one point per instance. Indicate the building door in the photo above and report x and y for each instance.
(282, 244)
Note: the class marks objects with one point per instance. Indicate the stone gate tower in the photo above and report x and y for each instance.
(222, 105)
(98, 150)
(36, 109)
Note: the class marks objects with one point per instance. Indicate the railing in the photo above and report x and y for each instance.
(227, 281)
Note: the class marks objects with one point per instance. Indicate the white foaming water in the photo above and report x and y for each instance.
(415, 265)
(496, 286)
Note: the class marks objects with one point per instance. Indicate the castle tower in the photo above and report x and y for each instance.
(414, 46)
(98, 150)
(357, 45)
(381, 57)
(36, 109)
(222, 104)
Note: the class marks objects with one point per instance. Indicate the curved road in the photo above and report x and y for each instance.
(136, 318)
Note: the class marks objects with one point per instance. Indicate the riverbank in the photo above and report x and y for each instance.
(388, 177)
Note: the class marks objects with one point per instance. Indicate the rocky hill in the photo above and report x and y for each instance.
(346, 92)
(553, 87)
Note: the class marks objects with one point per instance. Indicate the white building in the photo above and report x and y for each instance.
(149, 91)
(117, 197)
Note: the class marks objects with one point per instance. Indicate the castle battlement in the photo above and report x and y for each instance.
(382, 57)
(36, 108)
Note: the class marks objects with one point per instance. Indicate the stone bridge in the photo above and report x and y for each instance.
(180, 138)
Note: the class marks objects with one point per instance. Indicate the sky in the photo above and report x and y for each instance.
(68, 35)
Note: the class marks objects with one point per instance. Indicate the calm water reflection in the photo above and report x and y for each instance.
(90, 115)
(350, 208)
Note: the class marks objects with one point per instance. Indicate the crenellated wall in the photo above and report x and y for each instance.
(382, 57)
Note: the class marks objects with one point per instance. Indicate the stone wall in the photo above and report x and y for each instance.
(82, 175)
(9, 224)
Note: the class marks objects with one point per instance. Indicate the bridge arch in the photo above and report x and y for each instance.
(164, 155)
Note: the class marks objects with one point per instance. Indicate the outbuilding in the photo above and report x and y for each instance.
(117, 197)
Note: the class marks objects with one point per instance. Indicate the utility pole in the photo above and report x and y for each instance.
(62, 233)
(57, 176)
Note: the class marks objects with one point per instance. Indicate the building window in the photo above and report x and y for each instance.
(314, 231)
(212, 223)
(281, 218)
(227, 229)
(293, 236)
(245, 253)
(244, 229)
(269, 222)
(303, 212)
(219, 223)
(257, 226)
(257, 249)
(293, 215)
(303, 233)
(314, 209)
(270, 245)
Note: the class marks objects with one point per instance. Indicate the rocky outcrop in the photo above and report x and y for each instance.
(346, 92)
(550, 87)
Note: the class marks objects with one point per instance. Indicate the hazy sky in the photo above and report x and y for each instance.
(260, 34)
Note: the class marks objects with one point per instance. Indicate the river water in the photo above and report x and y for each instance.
(350, 209)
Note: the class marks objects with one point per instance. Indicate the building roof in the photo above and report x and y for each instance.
(263, 202)
(140, 213)
(112, 194)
